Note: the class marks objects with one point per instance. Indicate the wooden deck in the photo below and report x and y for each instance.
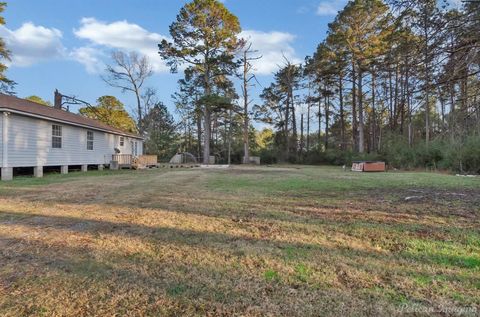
(130, 161)
(144, 161)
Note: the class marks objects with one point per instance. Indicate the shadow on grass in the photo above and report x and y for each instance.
(188, 237)
(387, 229)
(246, 210)
(196, 289)
(190, 282)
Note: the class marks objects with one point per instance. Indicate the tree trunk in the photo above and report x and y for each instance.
(287, 132)
(199, 136)
(246, 152)
(294, 123)
(442, 111)
(301, 134)
(229, 136)
(342, 114)
(427, 116)
(404, 97)
(327, 117)
(207, 119)
(390, 98)
(452, 105)
(190, 137)
(215, 131)
(186, 135)
(139, 109)
(463, 99)
(395, 100)
(354, 108)
(427, 75)
(308, 127)
(373, 124)
(361, 128)
(410, 126)
(208, 135)
(319, 124)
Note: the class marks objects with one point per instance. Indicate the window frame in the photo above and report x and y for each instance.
(122, 141)
(57, 136)
(90, 141)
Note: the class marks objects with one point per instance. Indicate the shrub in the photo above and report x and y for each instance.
(471, 154)
(431, 155)
(397, 153)
(449, 153)
(268, 156)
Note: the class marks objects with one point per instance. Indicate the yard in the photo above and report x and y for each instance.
(281, 240)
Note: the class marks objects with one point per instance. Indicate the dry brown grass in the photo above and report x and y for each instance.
(198, 242)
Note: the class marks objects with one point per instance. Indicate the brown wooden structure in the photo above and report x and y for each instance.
(368, 166)
(144, 161)
(131, 161)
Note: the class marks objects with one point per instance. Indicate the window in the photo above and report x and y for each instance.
(122, 141)
(89, 140)
(134, 148)
(56, 136)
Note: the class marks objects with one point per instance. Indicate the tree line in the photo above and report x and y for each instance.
(397, 80)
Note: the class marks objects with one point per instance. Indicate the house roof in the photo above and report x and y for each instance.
(30, 108)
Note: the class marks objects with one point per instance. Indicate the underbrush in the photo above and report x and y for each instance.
(460, 156)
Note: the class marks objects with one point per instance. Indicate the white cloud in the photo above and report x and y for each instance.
(32, 43)
(120, 35)
(90, 57)
(274, 47)
(127, 37)
(331, 7)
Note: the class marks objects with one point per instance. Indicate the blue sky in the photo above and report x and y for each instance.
(65, 44)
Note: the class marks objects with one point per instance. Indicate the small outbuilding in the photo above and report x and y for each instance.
(368, 166)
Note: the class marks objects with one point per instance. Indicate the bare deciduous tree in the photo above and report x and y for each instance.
(149, 99)
(129, 72)
(247, 77)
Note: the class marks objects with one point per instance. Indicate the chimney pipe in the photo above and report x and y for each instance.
(57, 100)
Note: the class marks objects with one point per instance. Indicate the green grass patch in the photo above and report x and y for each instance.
(271, 276)
(445, 253)
(176, 290)
(332, 179)
(302, 272)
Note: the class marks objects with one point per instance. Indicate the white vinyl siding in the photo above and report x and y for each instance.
(30, 144)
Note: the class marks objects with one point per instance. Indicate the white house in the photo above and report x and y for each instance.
(34, 135)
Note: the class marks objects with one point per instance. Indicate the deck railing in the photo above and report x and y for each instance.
(128, 160)
(123, 159)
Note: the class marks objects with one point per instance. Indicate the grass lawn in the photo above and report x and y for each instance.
(282, 240)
